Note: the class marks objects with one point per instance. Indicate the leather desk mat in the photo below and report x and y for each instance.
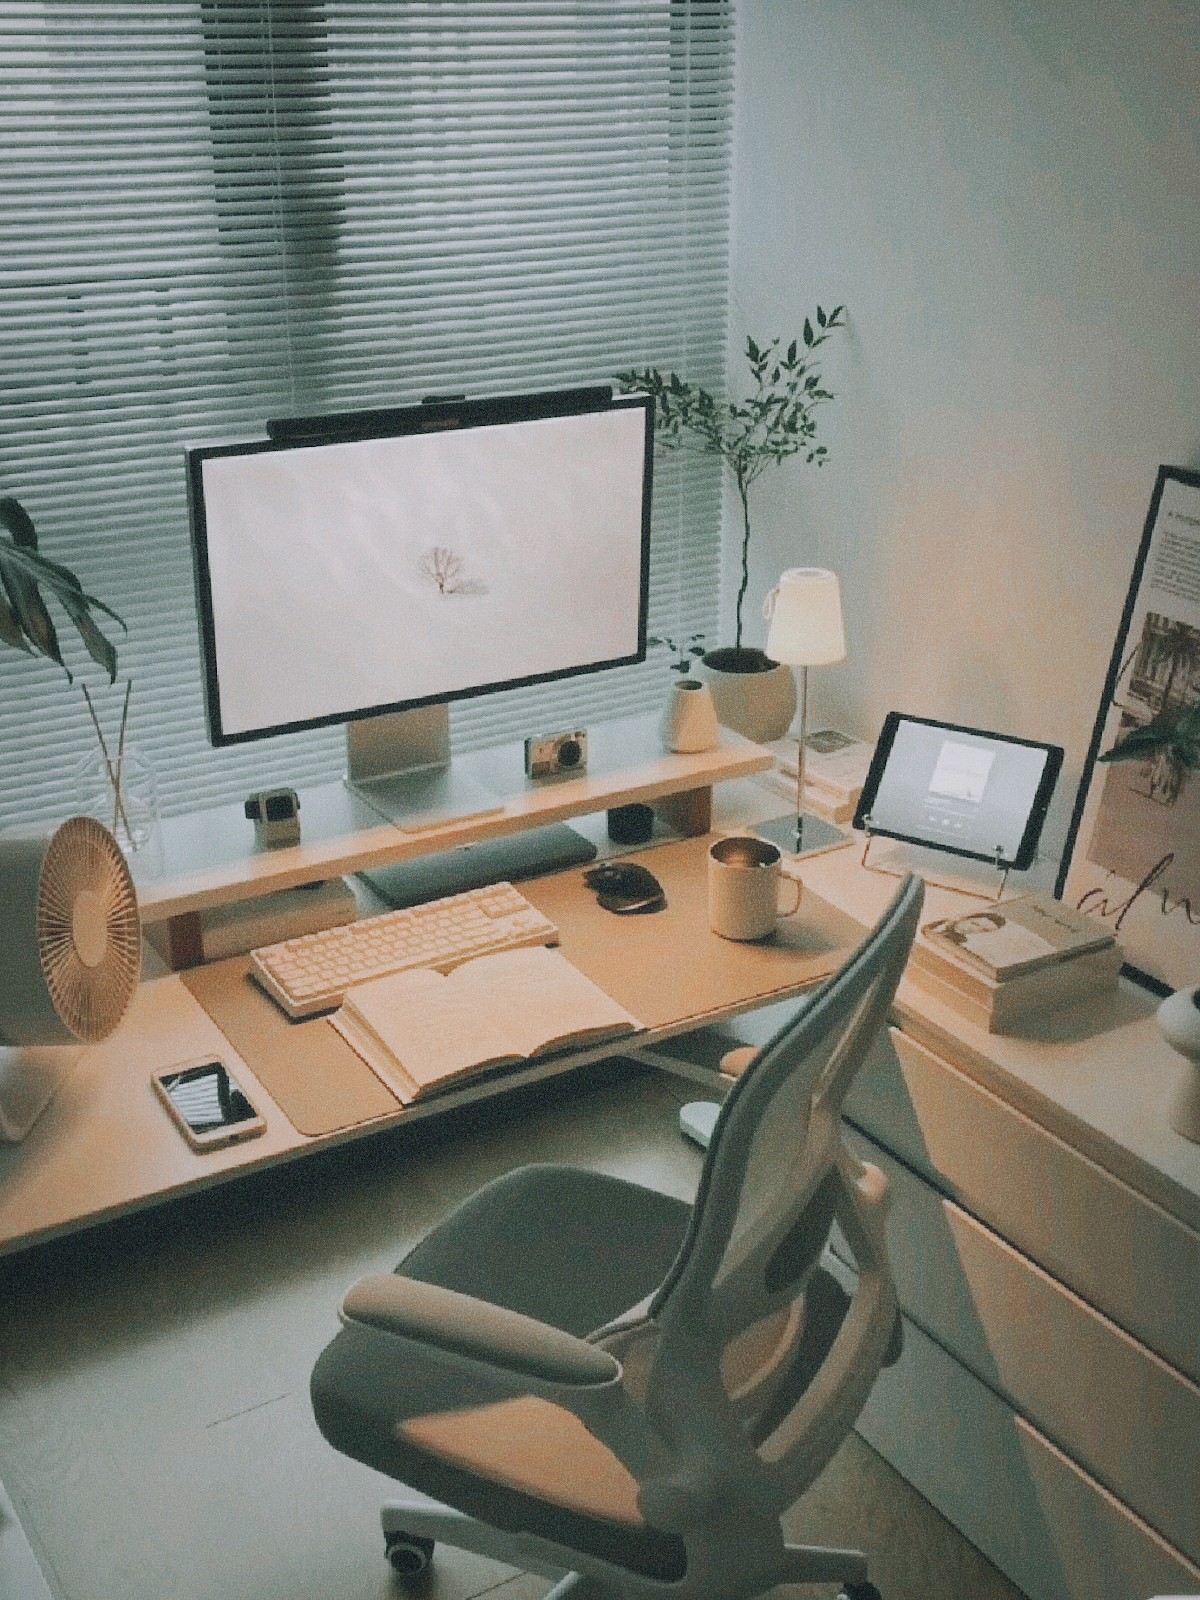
(665, 967)
(307, 1068)
(668, 966)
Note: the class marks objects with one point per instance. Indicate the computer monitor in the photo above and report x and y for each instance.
(370, 568)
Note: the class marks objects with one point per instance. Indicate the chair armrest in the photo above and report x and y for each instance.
(462, 1325)
(734, 1062)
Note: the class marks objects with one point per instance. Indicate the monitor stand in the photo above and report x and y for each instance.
(399, 763)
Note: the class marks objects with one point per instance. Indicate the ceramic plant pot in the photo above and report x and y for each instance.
(754, 695)
(689, 719)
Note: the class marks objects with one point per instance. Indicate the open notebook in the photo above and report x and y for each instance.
(422, 1031)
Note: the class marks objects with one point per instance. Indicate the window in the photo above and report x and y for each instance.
(225, 210)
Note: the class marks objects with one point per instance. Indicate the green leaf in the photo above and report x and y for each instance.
(28, 606)
(24, 572)
(18, 522)
(1175, 731)
(752, 350)
(808, 332)
(820, 317)
(101, 650)
(55, 576)
(10, 631)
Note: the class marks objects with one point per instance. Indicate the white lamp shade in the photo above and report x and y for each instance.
(805, 610)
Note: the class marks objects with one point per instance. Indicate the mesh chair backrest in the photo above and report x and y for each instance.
(768, 1189)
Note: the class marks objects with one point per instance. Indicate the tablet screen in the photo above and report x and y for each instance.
(961, 789)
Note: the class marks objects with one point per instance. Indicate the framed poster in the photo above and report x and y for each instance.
(1133, 848)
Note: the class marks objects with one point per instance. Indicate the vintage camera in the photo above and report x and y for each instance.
(556, 755)
(275, 814)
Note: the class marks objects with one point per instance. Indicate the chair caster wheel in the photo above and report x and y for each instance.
(408, 1553)
(860, 1591)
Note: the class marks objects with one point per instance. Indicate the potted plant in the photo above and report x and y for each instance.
(689, 718)
(776, 420)
(26, 578)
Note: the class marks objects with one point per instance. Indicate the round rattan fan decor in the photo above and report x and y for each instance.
(70, 936)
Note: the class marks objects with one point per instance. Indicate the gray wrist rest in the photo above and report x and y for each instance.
(527, 854)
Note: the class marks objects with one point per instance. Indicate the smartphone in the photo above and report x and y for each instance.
(207, 1105)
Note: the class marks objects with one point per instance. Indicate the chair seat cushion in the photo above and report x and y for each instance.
(569, 1247)
(573, 1249)
(535, 1446)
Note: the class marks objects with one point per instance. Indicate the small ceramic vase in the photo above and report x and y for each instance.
(689, 719)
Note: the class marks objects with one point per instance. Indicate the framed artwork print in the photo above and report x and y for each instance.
(1133, 849)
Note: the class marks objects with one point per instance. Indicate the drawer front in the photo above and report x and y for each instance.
(1041, 1519)
(1119, 1411)
(1113, 1246)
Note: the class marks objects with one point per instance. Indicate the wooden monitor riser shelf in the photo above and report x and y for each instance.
(209, 858)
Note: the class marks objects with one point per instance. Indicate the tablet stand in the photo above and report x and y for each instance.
(1002, 867)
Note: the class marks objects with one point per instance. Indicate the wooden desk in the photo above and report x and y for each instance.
(105, 1146)
(1045, 1228)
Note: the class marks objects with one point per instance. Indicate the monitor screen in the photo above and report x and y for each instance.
(501, 544)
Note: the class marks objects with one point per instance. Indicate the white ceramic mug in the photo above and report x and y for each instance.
(744, 875)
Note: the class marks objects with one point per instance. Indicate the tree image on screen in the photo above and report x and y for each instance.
(445, 570)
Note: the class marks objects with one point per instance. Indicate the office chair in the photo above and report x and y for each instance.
(575, 1374)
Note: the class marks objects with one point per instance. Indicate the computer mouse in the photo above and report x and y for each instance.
(625, 886)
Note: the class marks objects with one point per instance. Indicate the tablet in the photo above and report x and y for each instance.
(973, 793)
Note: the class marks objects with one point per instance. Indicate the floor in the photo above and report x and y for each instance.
(155, 1432)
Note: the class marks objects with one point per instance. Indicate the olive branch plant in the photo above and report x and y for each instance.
(27, 577)
(776, 420)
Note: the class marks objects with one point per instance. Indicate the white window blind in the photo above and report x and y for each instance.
(221, 211)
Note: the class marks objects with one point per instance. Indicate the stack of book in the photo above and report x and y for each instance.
(835, 769)
(1002, 966)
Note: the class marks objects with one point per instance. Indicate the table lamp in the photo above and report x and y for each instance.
(805, 611)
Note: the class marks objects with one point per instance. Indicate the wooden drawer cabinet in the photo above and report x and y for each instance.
(1115, 1247)
(1113, 1406)
(1046, 1241)
(1047, 1401)
(1044, 1521)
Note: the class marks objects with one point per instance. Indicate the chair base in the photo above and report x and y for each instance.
(410, 1520)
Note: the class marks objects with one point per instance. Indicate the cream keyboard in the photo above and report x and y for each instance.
(313, 972)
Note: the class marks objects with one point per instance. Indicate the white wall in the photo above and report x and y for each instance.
(1006, 195)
